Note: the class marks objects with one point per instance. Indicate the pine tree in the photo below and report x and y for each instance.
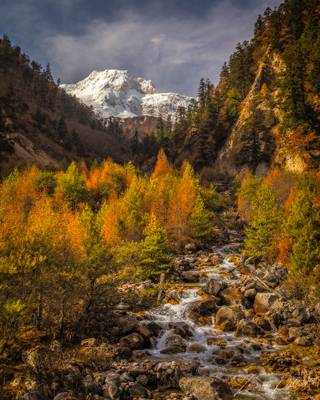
(304, 230)
(200, 222)
(265, 223)
(153, 257)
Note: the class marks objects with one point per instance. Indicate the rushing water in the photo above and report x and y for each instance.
(258, 385)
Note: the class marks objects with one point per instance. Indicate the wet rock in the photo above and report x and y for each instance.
(90, 385)
(134, 341)
(143, 380)
(263, 302)
(295, 333)
(231, 295)
(64, 396)
(126, 325)
(213, 286)
(204, 307)
(228, 317)
(32, 396)
(123, 353)
(196, 348)
(250, 293)
(263, 323)
(181, 329)
(190, 276)
(205, 388)
(136, 390)
(175, 344)
(112, 390)
(247, 328)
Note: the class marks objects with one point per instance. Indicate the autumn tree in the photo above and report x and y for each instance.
(162, 167)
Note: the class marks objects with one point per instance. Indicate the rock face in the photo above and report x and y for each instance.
(116, 93)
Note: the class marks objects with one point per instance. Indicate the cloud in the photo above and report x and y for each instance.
(173, 49)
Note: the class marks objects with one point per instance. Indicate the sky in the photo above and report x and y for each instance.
(172, 42)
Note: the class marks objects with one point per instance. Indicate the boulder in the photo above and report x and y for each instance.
(213, 286)
(111, 390)
(263, 323)
(64, 396)
(205, 388)
(190, 276)
(247, 328)
(263, 302)
(231, 295)
(228, 317)
(136, 390)
(250, 293)
(175, 344)
(134, 341)
(181, 329)
(196, 347)
(204, 307)
(295, 333)
(123, 353)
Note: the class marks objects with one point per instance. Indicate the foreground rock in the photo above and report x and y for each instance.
(263, 302)
(228, 317)
(205, 388)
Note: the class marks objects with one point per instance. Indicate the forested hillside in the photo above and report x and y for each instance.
(40, 124)
(265, 109)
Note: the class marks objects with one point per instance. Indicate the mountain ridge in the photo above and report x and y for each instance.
(117, 93)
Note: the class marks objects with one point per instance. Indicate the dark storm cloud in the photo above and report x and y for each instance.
(172, 42)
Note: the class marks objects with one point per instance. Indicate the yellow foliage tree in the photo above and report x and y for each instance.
(162, 167)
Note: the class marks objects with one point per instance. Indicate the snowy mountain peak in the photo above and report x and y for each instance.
(114, 92)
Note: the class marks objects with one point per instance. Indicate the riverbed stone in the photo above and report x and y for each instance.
(175, 344)
(263, 302)
(134, 341)
(206, 388)
(247, 328)
(196, 347)
(227, 318)
(231, 295)
(213, 286)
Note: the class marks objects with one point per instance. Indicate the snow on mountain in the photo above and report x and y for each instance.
(116, 93)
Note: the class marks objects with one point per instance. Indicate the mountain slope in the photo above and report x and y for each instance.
(40, 124)
(265, 110)
(115, 93)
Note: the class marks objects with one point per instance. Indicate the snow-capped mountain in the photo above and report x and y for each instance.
(116, 93)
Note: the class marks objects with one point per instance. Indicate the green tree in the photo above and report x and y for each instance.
(72, 186)
(304, 230)
(200, 222)
(265, 222)
(153, 257)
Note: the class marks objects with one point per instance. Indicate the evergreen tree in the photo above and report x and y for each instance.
(200, 222)
(153, 257)
(304, 230)
(265, 223)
